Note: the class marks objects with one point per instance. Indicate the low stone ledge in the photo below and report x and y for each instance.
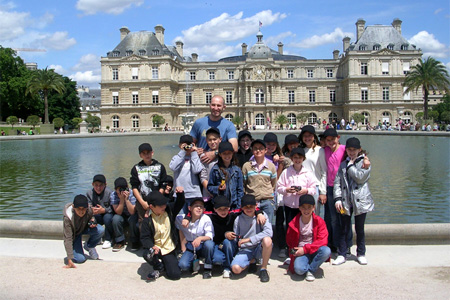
(376, 234)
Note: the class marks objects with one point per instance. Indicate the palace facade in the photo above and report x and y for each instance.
(143, 77)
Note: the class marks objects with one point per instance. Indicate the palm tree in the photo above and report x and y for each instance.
(429, 74)
(44, 81)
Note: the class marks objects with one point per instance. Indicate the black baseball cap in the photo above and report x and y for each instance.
(155, 198)
(270, 137)
(221, 201)
(213, 130)
(225, 146)
(186, 139)
(198, 199)
(120, 182)
(299, 151)
(306, 199)
(290, 138)
(100, 178)
(248, 199)
(80, 201)
(144, 147)
(353, 143)
(308, 128)
(330, 132)
(259, 141)
(243, 133)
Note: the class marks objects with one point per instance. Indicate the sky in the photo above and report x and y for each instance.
(76, 34)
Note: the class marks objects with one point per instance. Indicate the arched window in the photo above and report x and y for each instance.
(366, 117)
(259, 96)
(386, 117)
(260, 120)
(407, 117)
(229, 117)
(292, 119)
(312, 118)
(115, 121)
(332, 117)
(135, 121)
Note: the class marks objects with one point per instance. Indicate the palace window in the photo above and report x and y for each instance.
(229, 117)
(155, 97)
(135, 97)
(312, 96)
(385, 94)
(385, 68)
(208, 97)
(310, 73)
(134, 73)
(312, 118)
(363, 68)
(115, 74)
(229, 97)
(259, 96)
(329, 73)
(366, 117)
(332, 96)
(192, 75)
(290, 73)
(155, 73)
(212, 75)
(364, 94)
(115, 121)
(292, 119)
(230, 75)
(135, 121)
(115, 98)
(291, 96)
(332, 117)
(260, 120)
(188, 98)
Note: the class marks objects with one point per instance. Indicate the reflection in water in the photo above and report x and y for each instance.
(409, 179)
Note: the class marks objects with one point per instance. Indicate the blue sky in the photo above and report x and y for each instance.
(76, 34)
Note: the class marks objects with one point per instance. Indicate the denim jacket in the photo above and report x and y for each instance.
(234, 184)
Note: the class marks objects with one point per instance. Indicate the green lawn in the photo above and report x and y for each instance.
(6, 129)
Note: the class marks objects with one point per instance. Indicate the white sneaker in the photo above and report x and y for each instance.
(226, 273)
(309, 276)
(362, 260)
(339, 260)
(106, 245)
(92, 252)
(287, 261)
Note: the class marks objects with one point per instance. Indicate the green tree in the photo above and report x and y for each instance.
(359, 118)
(419, 117)
(158, 120)
(14, 77)
(65, 105)
(237, 121)
(429, 75)
(93, 121)
(58, 122)
(11, 120)
(445, 116)
(33, 120)
(302, 118)
(43, 81)
(443, 107)
(76, 122)
(433, 115)
(281, 119)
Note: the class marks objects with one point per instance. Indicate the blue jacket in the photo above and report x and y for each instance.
(234, 182)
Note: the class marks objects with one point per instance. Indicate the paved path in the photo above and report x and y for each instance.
(32, 269)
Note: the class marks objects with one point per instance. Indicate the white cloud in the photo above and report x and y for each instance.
(438, 11)
(114, 7)
(12, 24)
(87, 71)
(58, 69)
(58, 41)
(272, 41)
(211, 52)
(87, 78)
(227, 28)
(429, 45)
(88, 62)
(319, 40)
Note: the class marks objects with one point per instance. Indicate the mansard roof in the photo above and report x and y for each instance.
(382, 36)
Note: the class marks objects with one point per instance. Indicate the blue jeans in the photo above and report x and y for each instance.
(106, 219)
(244, 256)
(268, 206)
(311, 262)
(95, 235)
(206, 250)
(360, 235)
(119, 222)
(225, 255)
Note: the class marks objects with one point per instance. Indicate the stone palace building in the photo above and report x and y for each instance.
(143, 77)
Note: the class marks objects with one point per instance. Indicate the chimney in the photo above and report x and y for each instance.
(244, 48)
(194, 57)
(360, 25)
(397, 24)
(179, 47)
(346, 43)
(123, 32)
(280, 48)
(159, 32)
(336, 54)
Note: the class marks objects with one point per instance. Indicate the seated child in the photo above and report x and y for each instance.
(98, 198)
(213, 140)
(197, 238)
(78, 220)
(254, 240)
(307, 239)
(159, 237)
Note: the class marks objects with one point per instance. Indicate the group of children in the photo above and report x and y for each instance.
(224, 210)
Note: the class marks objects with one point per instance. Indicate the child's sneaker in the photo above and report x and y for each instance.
(118, 246)
(226, 273)
(207, 274)
(339, 260)
(153, 275)
(92, 252)
(362, 260)
(309, 276)
(106, 245)
(264, 275)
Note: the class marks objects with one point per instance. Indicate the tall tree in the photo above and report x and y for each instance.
(64, 105)
(43, 81)
(430, 75)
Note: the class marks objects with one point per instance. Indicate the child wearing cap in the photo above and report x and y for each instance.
(307, 239)
(260, 178)
(78, 220)
(159, 236)
(167, 186)
(226, 176)
(197, 238)
(244, 152)
(98, 198)
(124, 205)
(146, 176)
(213, 140)
(254, 240)
(352, 196)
